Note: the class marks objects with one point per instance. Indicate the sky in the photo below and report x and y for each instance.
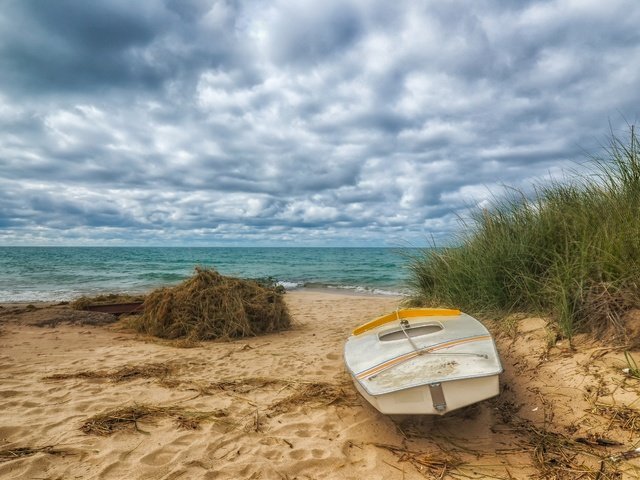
(297, 123)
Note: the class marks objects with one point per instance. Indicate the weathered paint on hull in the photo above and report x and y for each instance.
(418, 400)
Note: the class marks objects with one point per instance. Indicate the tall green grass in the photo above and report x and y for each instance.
(572, 250)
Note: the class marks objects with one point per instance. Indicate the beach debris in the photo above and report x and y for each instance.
(321, 393)
(122, 374)
(51, 316)
(9, 454)
(301, 392)
(179, 342)
(594, 440)
(211, 306)
(436, 465)
(244, 385)
(108, 302)
(324, 393)
(628, 455)
(559, 457)
(17, 309)
(127, 418)
(623, 416)
(131, 308)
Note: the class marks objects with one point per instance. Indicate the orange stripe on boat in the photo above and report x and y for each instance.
(406, 313)
(408, 356)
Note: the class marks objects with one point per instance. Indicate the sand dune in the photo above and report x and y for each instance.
(281, 406)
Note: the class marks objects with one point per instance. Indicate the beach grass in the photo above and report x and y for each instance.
(571, 250)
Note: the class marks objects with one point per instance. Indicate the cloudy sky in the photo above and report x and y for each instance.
(347, 122)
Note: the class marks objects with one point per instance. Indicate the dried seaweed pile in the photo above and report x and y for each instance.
(209, 306)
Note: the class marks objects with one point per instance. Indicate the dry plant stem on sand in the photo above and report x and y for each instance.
(21, 452)
(126, 418)
(315, 392)
(209, 306)
(426, 463)
(620, 415)
(322, 393)
(558, 456)
(126, 373)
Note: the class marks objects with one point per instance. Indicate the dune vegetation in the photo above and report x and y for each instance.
(570, 251)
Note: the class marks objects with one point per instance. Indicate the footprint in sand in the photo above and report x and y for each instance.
(317, 453)
(272, 454)
(9, 393)
(298, 454)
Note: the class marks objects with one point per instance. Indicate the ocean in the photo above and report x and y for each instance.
(63, 273)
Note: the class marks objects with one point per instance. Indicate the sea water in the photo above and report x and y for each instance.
(64, 273)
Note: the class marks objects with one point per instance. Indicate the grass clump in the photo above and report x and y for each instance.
(209, 306)
(632, 366)
(571, 250)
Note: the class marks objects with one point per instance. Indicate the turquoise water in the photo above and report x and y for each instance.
(63, 273)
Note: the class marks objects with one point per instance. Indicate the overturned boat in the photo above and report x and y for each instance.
(423, 361)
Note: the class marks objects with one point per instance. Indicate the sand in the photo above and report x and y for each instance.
(281, 406)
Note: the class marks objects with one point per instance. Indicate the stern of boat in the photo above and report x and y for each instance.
(434, 399)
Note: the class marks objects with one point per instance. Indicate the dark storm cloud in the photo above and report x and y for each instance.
(356, 122)
(70, 45)
(307, 32)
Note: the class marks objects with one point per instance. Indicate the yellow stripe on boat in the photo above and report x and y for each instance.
(408, 356)
(406, 313)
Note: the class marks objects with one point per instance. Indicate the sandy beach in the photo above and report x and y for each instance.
(281, 406)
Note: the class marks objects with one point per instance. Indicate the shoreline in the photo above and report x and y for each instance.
(336, 291)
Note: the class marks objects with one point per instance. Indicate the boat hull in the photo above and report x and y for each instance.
(420, 401)
(423, 361)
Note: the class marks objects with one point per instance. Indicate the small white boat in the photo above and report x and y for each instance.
(423, 361)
